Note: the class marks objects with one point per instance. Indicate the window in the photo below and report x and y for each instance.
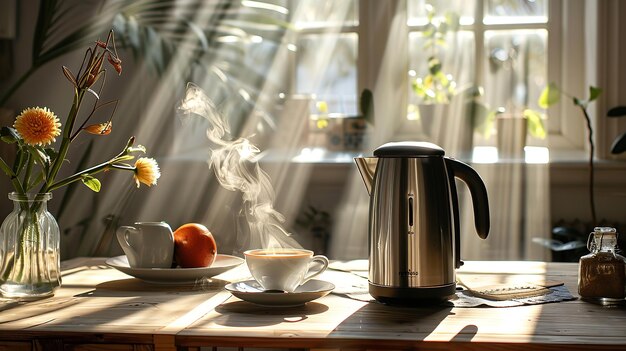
(479, 59)
(506, 50)
(325, 74)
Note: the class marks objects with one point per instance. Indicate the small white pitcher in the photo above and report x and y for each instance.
(147, 244)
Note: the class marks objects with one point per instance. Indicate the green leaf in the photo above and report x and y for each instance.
(92, 183)
(41, 157)
(535, 124)
(40, 177)
(487, 127)
(579, 102)
(594, 92)
(617, 111)
(52, 153)
(434, 65)
(9, 135)
(40, 154)
(619, 145)
(367, 105)
(549, 96)
(21, 158)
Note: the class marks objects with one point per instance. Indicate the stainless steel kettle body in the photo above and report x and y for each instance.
(414, 220)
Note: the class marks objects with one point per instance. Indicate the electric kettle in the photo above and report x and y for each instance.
(414, 237)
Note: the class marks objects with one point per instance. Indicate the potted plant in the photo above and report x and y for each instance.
(569, 240)
(552, 95)
(512, 128)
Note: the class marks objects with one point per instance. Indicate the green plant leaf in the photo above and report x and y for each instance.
(367, 105)
(619, 145)
(434, 65)
(579, 102)
(594, 92)
(549, 96)
(9, 135)
(617, 111)
(92, 183)
(52, 153)
(40, 155)
(535, 124)
(489, 123)
(21, 158)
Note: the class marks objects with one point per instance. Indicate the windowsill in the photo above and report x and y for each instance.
(480, 155)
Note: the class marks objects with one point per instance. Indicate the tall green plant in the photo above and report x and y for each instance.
(550, 96)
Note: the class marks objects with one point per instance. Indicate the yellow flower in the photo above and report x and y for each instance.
(146, 171)
(38, 126)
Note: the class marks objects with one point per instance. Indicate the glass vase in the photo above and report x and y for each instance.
(29, 249)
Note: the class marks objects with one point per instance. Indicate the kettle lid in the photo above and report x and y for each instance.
(408, 149)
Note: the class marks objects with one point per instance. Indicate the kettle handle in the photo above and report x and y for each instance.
(480, 201)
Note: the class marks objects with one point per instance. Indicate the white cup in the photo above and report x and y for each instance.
(147, 244)
(284, 269)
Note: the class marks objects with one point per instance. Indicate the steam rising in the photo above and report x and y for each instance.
(236, 168)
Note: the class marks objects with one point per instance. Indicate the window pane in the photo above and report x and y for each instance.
(516, 11)
(516, 69)
(318, 13)
(326, 68)
(417, 10)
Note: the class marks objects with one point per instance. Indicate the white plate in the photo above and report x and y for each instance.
(175, 275)
(251, 291)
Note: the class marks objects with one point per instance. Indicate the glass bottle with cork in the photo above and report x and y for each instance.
(602, 273)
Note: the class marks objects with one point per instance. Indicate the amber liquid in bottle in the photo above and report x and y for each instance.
(602, 273)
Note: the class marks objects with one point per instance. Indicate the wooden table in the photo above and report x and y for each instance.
(99, 308)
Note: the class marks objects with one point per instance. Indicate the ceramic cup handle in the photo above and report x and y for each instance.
(122, 238)
(323, 260)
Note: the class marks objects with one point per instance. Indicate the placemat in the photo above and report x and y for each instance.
(354, 285)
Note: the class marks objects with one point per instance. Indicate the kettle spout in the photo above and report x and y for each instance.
(367, 167)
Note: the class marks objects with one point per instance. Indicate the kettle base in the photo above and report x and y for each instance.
(401, 295)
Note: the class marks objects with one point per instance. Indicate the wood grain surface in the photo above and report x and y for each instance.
(99, 308)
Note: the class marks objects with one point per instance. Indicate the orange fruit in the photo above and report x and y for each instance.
(194, 246)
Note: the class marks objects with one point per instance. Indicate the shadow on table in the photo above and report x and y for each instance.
(259, 316)
(131, 286)
(395, 324)
(466, 334)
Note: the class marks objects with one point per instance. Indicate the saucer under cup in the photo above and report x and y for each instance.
(284, 269)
